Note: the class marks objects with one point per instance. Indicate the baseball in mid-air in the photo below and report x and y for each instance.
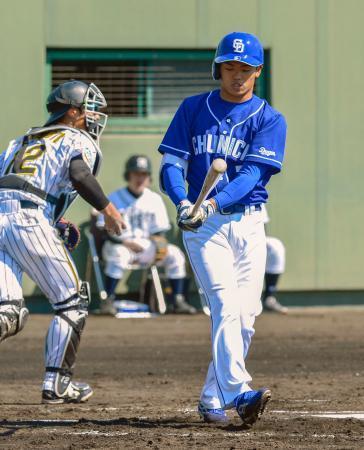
(219, 165)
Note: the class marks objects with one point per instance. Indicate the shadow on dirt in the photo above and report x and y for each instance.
(134, 422)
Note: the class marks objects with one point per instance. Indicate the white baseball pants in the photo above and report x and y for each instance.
(118, 259)
(276, 256)
(228, 256)
(29, 243)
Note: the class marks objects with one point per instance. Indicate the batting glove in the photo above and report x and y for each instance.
(192, 223)
(184, 210)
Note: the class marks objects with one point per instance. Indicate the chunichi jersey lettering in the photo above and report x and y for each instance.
(45, 163)
(144, 215)
(206, 127)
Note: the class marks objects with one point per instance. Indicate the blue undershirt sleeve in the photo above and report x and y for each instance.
(174, 183)
(249, 176)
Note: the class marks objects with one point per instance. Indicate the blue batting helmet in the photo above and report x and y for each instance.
(241, 47)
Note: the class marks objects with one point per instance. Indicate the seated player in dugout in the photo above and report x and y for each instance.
(274, 268)
(143, 242)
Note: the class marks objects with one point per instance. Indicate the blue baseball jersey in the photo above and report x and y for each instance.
(206, 127)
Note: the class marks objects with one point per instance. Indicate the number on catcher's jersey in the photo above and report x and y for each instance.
(23, 160)
(44, 159)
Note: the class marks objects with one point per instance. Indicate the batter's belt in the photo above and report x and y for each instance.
(246, 209)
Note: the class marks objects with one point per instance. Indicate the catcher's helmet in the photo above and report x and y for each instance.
(81, 95)
(137, 163)
(241, 47)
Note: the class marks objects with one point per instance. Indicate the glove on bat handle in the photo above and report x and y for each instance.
(217, 168)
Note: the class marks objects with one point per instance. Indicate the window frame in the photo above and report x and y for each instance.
(142, 125)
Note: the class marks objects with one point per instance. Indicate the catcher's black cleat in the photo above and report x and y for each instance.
(251, 405)
(76, 392)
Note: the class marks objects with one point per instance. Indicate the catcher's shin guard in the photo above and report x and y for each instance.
(63, 339)
(62, 342)
(13, 316)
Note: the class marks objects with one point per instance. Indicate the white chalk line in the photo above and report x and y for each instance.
(291, 413)
(310, 400)
(324, 414)
(359, 416)
(208, 434)
(97, 433)
(204, 434)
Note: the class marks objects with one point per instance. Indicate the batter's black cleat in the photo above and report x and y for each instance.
(251, 405)
(76, 392)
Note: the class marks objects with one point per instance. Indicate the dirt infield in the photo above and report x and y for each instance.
(147, 375)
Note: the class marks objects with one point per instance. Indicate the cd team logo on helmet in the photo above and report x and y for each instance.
(78, 94)
(241, 47)
(238, 45)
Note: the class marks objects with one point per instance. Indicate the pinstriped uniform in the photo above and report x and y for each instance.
(28, 241)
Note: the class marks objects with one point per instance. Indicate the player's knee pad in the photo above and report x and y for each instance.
(13, 316)
(276, 256)
(64, 334)
(175, 262)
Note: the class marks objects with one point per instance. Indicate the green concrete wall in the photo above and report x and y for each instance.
(22, 66)
(316, 203)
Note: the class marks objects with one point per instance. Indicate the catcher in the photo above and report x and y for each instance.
(143, 242)
(41, 174)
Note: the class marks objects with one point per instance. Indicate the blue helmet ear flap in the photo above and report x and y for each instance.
(216, 75)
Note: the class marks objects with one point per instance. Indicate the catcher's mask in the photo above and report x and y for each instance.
(78, 94)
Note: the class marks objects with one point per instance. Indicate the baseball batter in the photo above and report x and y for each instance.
(41, 174)
(225, 239)
(143, 241)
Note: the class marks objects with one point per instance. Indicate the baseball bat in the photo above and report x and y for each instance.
(96, 266)
(158, 289)
(217, 168)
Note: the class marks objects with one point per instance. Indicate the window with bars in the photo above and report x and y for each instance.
(143, 89)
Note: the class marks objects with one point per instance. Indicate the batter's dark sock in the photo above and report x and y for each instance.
(271, 281)
(110, 285)
(177, 285)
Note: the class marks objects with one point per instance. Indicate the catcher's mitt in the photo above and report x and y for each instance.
(69, 233)
(161, 244)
